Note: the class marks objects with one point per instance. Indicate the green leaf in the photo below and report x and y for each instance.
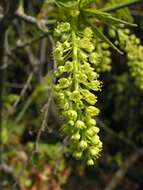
(121, 5)
(84, 3)
(11, 98)
(4, 136)
(107, 18)
(104, 38)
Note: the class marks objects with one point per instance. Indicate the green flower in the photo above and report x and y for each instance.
(90, 162)
(91, 122)
(65, 105)
(94, 85)
(86, 44)
(71, 122)
(75, 78)
(76, 96)
(95, 140)
(88, 33)
(92, 111)
(71, 114)
(77, 155)
(83, 145)
(75, 137)
(92, 131)
(64, 83)
(93, 151)
(62, 27)
(88, 96)
(80, 125)
(95, 58)
(134, 51)
(69, 66)
(82, 78)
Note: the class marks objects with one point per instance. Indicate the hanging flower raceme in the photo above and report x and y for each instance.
(131, 45)
(75, 90)
(104, 57)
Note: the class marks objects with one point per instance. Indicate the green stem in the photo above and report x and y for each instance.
(75, 59)
(23, 111)
(120, 6)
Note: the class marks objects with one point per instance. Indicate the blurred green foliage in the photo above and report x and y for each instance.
(120, 99)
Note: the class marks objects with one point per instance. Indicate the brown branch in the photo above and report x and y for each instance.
(41, 24)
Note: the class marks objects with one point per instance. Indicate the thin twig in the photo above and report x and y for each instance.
(43, 126)
(41, 24)
(53, 45)
(23, 91)
(11, 52)
(14, 85)
(28, 43)
(42, 59)
(35, 147)
(32, 59)
(24, 109)
(33, 20)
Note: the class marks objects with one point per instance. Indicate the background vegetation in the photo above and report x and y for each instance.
(33, 153)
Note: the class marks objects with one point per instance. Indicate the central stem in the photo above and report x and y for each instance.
(75, 59)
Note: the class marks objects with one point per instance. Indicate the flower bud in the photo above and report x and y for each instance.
(83, 56)
(77, 155)
(105, 45)
(71, 123)
(106, 61)
(88, 96)
(80, 125)
(94, 151)
(86, 44)
(91, 122)
(65, 105)
(82, 145)
(95, 140)
(112, 33)
(100, 144)
(75, 137)
(61, 96)
(94, 58)
(88, 32)
(71, 114)
(92, 131)
(64, 83)
(69, 66)
(61, 69)
(66, 44)
(90, 162)
(92, 111)
(75, 96)
(64, 27)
